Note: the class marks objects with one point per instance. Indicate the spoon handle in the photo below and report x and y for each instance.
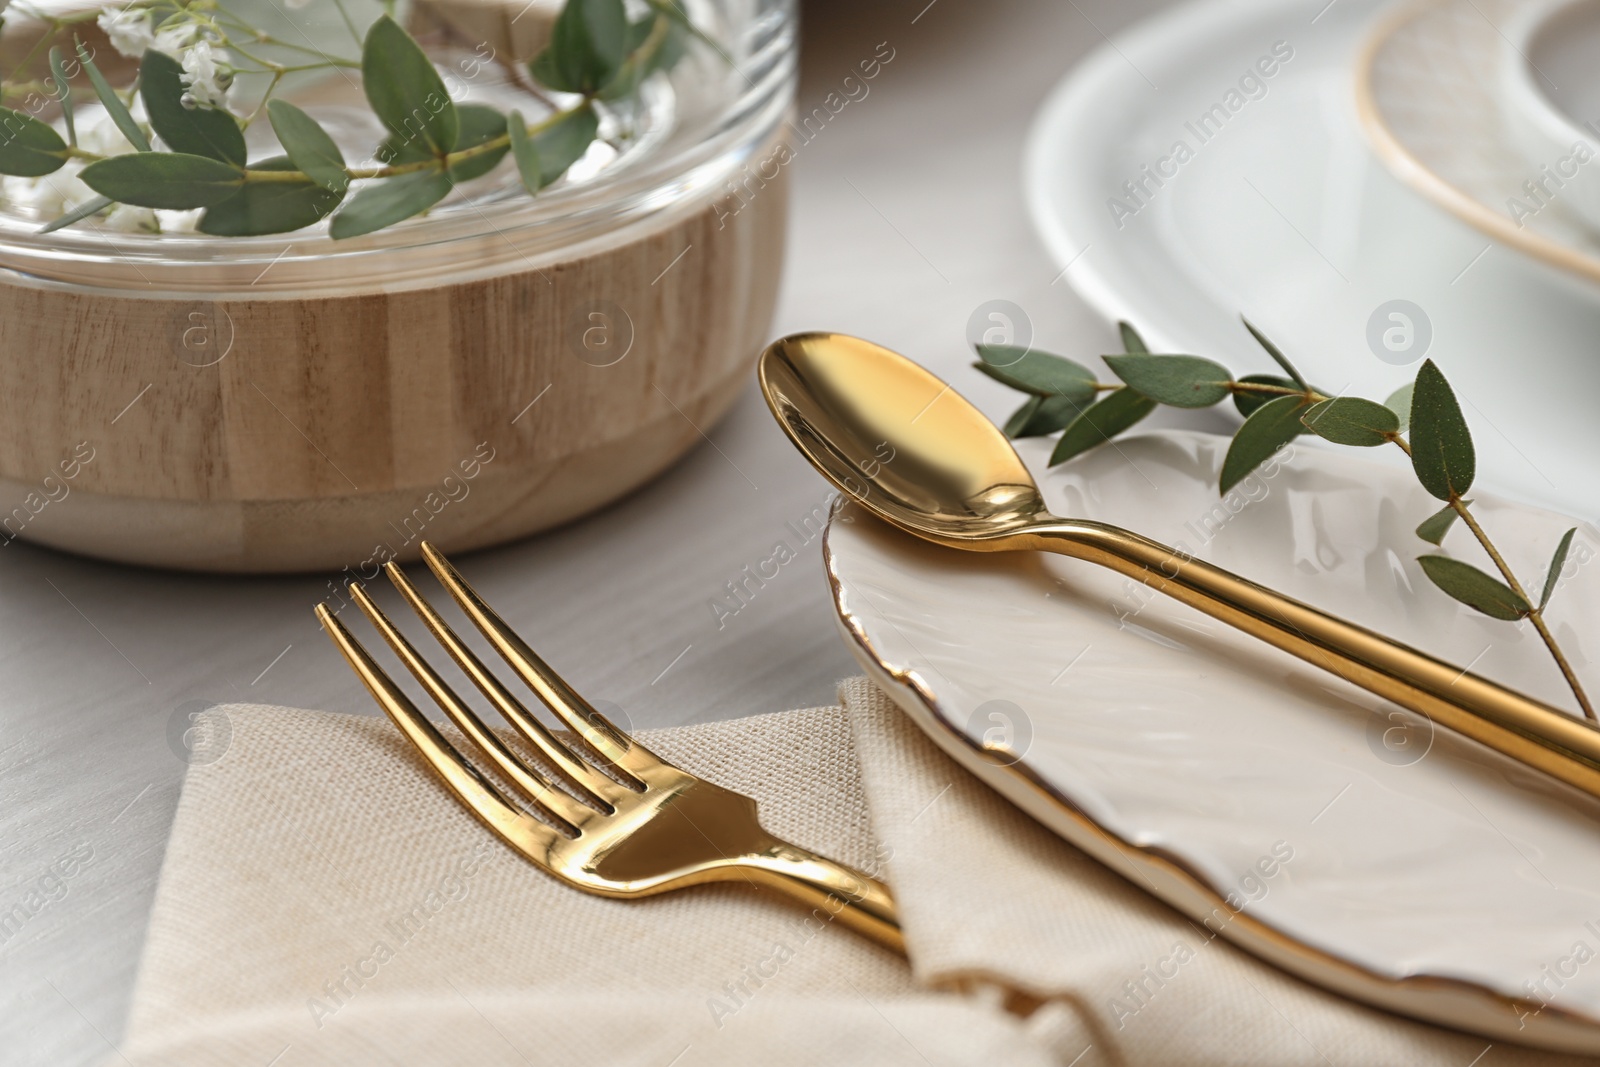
(1531, 732)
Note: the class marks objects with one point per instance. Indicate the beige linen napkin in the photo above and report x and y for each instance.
(323, 901)
(984, 891)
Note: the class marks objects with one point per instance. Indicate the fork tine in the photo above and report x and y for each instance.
(591, 781)
(607, 742)
(521, 831)
(533, 785)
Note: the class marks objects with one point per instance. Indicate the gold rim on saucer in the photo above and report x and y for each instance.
(1396, 52)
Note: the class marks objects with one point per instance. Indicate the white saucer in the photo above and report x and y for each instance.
(1361, 849)
(1453, 106)
(1285, 216)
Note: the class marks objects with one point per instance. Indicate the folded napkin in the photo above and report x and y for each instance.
(324, 901)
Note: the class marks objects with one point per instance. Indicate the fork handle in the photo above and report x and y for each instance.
(1533, 733)
(832, 890)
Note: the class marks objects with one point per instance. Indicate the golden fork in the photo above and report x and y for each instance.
(663, 829)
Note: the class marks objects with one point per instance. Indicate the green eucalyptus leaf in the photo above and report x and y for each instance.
(388, 201)
(1035, 372)
(1435, 526)
(113, 103)
(587, 44)
(78, 214)
(1277, 355)
(173, 180)
(28, 147)
(1022, 416)
(1247, 401)
(545, 72)
(1052, 414)
(524, 151)
(405, 91)
(197, 131)
(1553, 575)
(1399, 402)
(271, 207)
(63, 94)
(1132, 343)
(637, 65)
(1350, 420)
(565, 142)
(1100, 422)
(397, 149)
(1474, 588)
(1270, 427)
(479, 124)
(1178, 381)
(1441, 445)
(310, 147)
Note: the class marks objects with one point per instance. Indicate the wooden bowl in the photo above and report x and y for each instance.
(225, 421)
(233, 433)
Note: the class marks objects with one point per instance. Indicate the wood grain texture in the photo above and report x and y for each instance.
(236, 433)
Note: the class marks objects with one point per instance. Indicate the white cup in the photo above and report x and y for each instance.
(1550, 103)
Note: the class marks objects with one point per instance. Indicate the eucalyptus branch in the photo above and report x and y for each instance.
(1535, 612)
(259, 36)
(444, 162)
(1423, 419)
(348, 23)
(191, 50)
(53, 26)
(27, 88)
(266, 96)
(518, 74)
(1311, 395)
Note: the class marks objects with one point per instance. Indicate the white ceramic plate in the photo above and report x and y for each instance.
(1286, 216)
(1426, 874)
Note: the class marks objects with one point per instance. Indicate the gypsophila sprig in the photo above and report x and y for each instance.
(169, 150)
(1422, 418)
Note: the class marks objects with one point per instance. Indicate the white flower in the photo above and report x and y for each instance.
(33, 194)
(174, 36)
(206, 78)
(125, 218)
(51, 195)
(133, 30)
(179, 221)
(295, 5)
(99, 133)
(130, 31)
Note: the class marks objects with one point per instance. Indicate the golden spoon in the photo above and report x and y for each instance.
(955, 480)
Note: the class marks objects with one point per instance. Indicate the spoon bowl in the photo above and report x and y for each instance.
(898, 439)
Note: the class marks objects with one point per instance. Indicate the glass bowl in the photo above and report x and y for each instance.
(501, 365)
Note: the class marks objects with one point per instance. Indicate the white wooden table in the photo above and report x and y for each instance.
(907, 216)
